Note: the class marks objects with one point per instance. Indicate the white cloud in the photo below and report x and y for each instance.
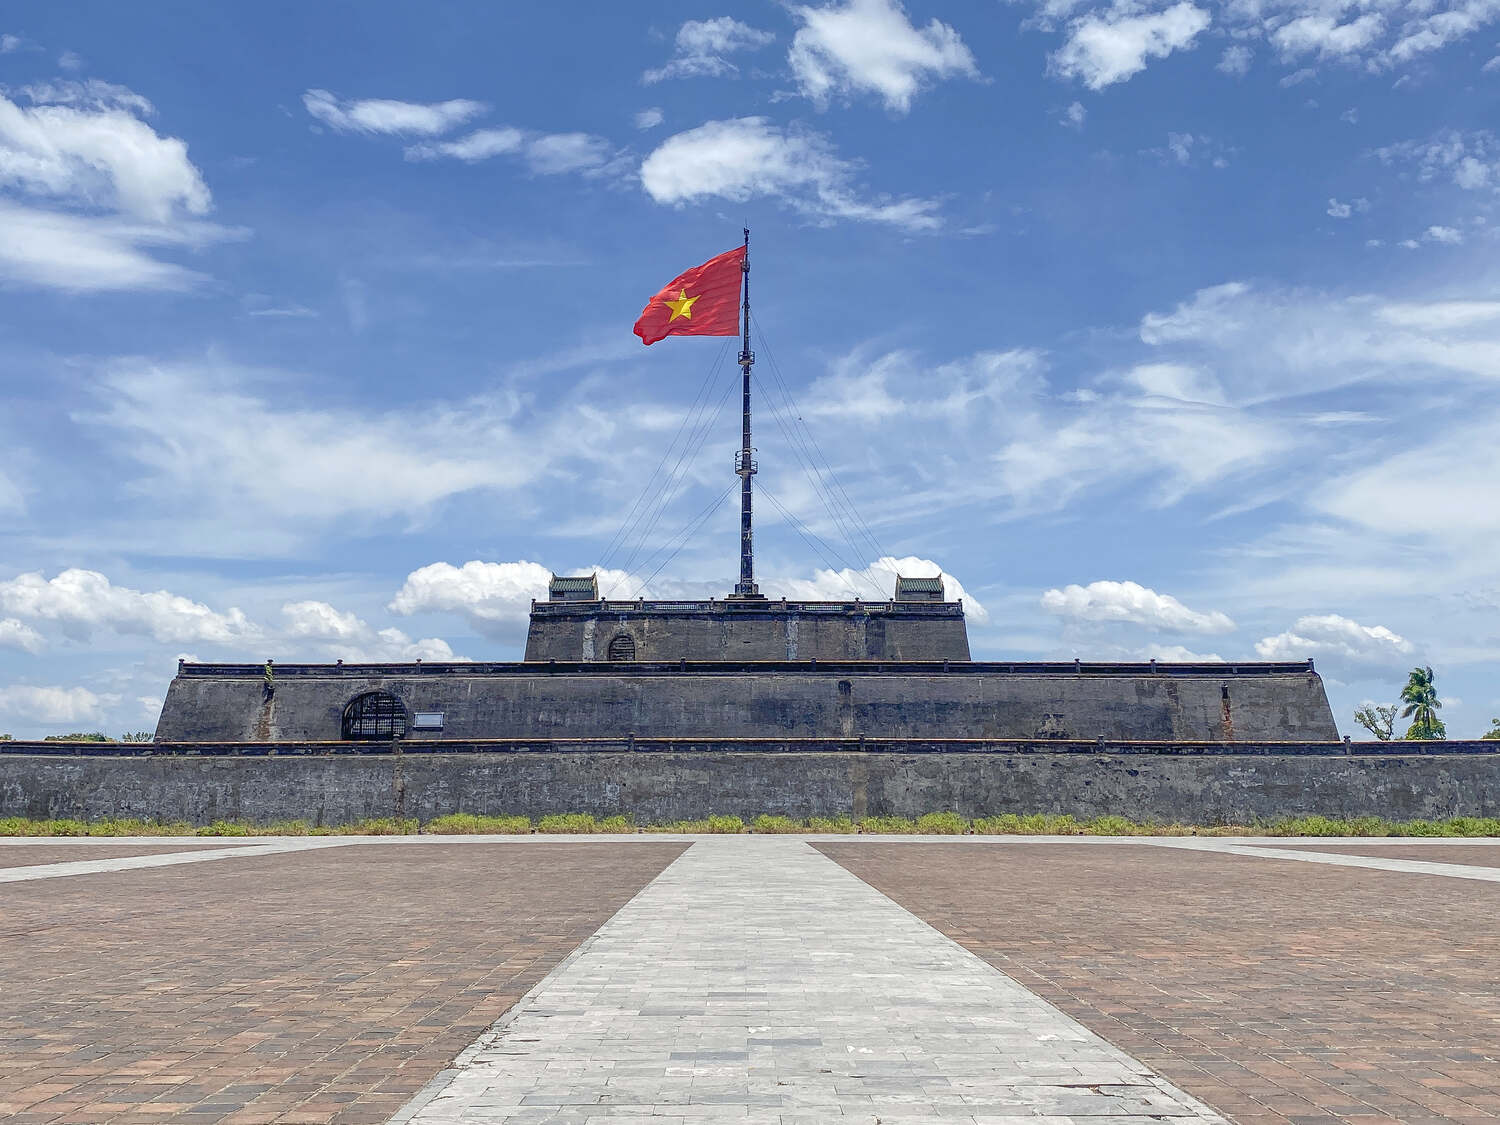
(545, 154)
(343, 636)
(649, 118)
(1178, 654)
(100, 155)
(495, 598)
(9, 43)
(100, 186)
(1110, 40)
(17, 634)
(871, 46)
(1447, 489)
(702, 45)
(1114, 45)
(1469, 160)
(1329, 635)
(876, 581)
(1325, 36)
(84, 602)
(1073, 117)
(51, 704)
(384, 115)
(747, 157)
(1339, 210)
(482, 144)
(85, 253)
(1235, 61)
(1133, 603)
(1450, 236)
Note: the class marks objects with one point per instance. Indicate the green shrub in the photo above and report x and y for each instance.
(619, 823)
(226, 828)
(568, 823)
(887, 826)
(776, 825)
(725, 825)
(379, 826)
(942, 824)
(474, 824)
(1115, 826)
(841, 825)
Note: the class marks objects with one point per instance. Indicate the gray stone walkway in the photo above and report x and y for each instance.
(756, 980)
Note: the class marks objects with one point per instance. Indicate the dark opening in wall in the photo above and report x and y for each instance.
(375, 714)
(622, 647)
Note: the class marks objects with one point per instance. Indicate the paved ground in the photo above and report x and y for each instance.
(330, 980)
(319, 985)
(757, 981)
(1482, 854)
(17, 855)
(1277, 991)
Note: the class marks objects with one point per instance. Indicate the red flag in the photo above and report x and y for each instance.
(702, 301)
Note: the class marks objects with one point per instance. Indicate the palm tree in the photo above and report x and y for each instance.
(1422, 703)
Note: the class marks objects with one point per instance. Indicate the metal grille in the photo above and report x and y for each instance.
(622, 647)
(376, 714)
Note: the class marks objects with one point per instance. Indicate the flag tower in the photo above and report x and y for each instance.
(744, 462)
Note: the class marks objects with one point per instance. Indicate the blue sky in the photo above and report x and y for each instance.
(1164, 329)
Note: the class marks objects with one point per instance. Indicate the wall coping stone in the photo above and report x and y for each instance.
(752, 746)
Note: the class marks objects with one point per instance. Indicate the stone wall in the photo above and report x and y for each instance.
(1188, 783)
(749, 630)
(1214, 703)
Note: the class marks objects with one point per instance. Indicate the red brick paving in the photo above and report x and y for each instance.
(1281, 992)
(27, 855)
(309, 987)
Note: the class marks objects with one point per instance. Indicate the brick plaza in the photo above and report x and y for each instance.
(750, 979)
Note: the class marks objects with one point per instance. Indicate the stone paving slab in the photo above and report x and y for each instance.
(1482, 856)
(754, 980)
(1281, 992)
(311, 986)
(55, 852)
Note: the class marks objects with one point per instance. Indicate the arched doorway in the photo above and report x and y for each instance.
(375, 714)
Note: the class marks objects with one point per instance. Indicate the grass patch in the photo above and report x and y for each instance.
(942, 824)
(931, 824)
(833, 825)
(712, 825)
(775, 825)
(474, 824)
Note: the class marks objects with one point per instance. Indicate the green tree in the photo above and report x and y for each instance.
(1494, 731)
(4, 738)
(92, 736)
(136, 736)
(1422, 703)
(1378, 720)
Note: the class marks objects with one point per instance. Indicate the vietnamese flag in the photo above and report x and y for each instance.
(702, 301)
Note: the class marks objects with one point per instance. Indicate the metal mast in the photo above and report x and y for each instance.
(744, 461)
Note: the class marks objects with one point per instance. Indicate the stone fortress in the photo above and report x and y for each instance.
(748, 667)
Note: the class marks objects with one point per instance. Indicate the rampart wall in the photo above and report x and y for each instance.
(663, 780)
(1212, 703)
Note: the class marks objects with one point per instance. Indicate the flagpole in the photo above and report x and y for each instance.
(744, 464)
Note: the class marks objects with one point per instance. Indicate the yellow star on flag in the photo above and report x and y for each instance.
(682, 307)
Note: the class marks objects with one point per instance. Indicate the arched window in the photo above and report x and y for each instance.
(376, 714)
(622, 647)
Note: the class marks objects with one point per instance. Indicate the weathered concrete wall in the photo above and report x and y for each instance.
(750, 630)
(229, 704)
(1154, 783)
